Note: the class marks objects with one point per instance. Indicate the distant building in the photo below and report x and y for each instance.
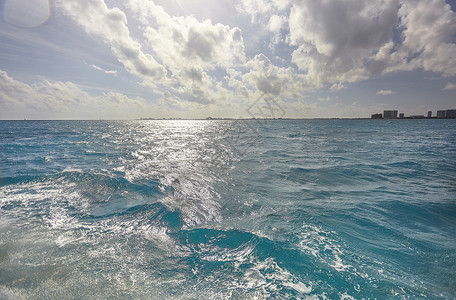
(448, 114)
(441, 114)
(390, 114)
(451, 113)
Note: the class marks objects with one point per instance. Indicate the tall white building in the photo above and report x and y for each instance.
(390, 114)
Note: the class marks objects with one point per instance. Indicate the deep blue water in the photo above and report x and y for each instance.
(305, 209)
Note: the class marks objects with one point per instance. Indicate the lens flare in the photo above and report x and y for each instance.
(25, 13)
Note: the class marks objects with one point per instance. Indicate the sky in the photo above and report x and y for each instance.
(129, 59)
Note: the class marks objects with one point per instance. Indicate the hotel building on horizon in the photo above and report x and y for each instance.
(392, 114)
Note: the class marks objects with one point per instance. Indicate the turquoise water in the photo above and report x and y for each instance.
(278, 209)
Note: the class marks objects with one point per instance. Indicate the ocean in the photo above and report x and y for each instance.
(228, 209)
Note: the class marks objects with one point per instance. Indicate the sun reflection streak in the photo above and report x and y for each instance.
(180, 154)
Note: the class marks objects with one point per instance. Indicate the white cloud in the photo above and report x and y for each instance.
(427, 39)
(190, 42)
(450, 86)
(183, 50)
(47, 99)
(111, 24)
(385, 92)
(113, 72)
(429, 29)
(270, 19)
(190, 50)
(350, 40)
(276, 23)
(186, 48)
(337, 87)
(334, 38)
(56, 99)
(258, 9)
(269, 78)
(330, 43)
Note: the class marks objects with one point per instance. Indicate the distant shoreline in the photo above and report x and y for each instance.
(228, 119)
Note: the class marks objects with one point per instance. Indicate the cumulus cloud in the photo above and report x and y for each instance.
(276, 23)
(182, 50)
(257, 9)
(111, 24)
(334, 38)
(46, 99)
(428, 30)
(351, 40)
(385, 92)
(330, 43)
(56, 99)
(195, 41)
(269, 78)
(190, 48)
(337, 87)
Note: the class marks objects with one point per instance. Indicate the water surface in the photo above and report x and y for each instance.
(283, 209)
